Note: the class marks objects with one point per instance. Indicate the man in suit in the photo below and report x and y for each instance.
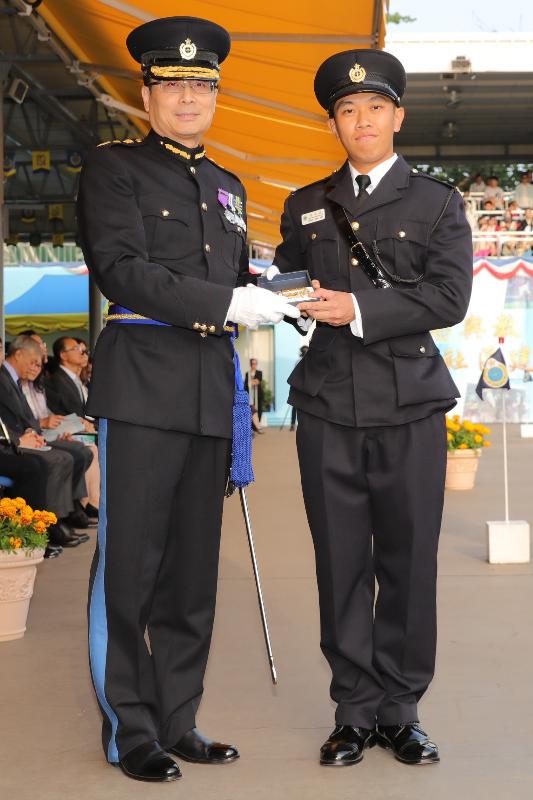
(65, 463)
(163, 230)
(65, 391)
(253, 385)
(371, 394)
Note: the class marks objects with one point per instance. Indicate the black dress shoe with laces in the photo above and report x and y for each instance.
(345, 746)
(149, 762)
(198, 749)
(60, 534)
(409, 743)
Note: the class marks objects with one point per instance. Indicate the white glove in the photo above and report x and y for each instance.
(304, 323)
(271, 272)
(251, 306)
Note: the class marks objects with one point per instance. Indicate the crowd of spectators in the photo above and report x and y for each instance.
(501, 221)
(52, 468)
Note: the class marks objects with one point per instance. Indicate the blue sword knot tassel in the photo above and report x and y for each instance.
(241, 472)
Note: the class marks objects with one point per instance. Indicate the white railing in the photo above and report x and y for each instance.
(497, 244)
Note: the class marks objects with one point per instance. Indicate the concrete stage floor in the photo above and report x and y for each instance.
(479, 708)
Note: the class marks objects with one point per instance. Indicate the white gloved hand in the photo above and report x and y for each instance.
(304, 323)
(251, 306)
(271, 272)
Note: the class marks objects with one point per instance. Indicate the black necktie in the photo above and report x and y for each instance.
(363, 181)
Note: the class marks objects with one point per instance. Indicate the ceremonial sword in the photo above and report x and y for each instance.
(248, 524)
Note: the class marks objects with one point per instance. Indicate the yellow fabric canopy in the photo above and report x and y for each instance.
(268, 128)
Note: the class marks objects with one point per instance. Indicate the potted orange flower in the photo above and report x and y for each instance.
(23, 539)
(465, 442)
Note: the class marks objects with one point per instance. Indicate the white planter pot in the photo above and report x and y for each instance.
(17, 576)
(508, 542)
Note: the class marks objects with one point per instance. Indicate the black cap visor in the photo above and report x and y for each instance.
(369, 87)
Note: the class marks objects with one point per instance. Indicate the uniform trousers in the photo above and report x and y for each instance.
(374, 499)
(153, 580)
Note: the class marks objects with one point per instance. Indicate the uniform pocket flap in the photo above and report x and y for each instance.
(232, 227)
(414, 347)
(154, 206)
(403, 231)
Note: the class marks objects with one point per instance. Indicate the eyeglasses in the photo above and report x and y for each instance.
(77, 347)
(178, 87)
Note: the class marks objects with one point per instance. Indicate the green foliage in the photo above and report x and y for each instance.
(462, 175)
(267, 396)
(396, 19)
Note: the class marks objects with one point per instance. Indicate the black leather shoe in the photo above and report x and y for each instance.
(345, 745)
(52, 551)
(83, 537)
(149, 762)
(198, 749)
(61, 535)
(91, 511)
(78, 519)
(409, 743)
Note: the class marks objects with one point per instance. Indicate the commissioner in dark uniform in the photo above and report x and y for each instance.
(371, 394)
(163, 230)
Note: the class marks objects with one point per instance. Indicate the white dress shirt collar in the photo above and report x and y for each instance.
(375, 174)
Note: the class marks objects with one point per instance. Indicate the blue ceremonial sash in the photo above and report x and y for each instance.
(241, 472)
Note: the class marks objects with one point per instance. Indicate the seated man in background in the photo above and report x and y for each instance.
(523, 191)
(36, 395)
(23, 353)
(29, 476)
(65, 390)
(494, 192)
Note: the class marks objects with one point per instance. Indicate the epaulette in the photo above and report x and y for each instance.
(315, 183)
(419, 174)
(126, 142)
(224, 169)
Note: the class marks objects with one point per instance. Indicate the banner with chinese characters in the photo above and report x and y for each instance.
(501, 306)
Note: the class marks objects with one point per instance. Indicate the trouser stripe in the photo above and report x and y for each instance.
(98, 635)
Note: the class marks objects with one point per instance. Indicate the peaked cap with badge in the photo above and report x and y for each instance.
(354, 71)
(178, 48)
(163, 232)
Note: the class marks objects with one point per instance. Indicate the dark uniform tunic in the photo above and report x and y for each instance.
(157, 241)
(371, 436)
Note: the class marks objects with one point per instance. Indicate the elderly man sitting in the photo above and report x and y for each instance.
(72, 458)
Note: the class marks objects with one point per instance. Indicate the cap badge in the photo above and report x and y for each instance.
(357, 73)
(188, 50)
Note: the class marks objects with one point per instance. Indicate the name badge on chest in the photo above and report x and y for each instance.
(313, 216)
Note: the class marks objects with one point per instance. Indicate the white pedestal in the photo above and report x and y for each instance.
(508, 542)
(526, 430)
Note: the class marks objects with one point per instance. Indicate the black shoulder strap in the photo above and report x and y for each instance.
(357, 248)
(376, 271)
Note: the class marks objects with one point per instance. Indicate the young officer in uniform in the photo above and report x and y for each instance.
(164, 235)
(371, 394)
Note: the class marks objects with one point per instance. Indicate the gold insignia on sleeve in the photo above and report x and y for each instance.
(188, 50)
(357, 73)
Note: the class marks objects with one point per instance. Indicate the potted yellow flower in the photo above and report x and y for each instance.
(23, 539)
(465, 442)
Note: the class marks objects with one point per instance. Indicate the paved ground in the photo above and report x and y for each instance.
(479, 709)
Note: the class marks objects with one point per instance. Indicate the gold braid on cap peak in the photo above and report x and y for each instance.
(200, 73)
